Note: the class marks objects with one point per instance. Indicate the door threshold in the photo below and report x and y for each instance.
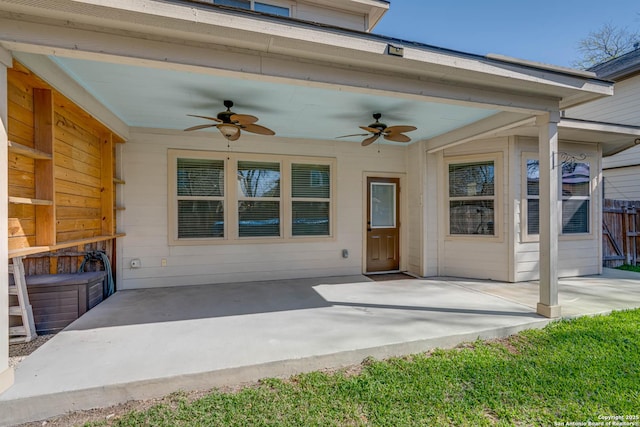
(372, 273)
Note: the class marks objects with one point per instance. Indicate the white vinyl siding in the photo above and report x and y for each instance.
(146, 219)
(473, 256)
(622, 183)
(623, 107)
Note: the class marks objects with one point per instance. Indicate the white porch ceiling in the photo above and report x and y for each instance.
(160, 98)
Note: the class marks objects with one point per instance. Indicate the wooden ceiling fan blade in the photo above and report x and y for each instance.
(261, 130)
(215, 119)
(370, 140)
(355, 134)
(369, 129)
(399, 129)
(199, 127)
(243, 119)
(397, 137)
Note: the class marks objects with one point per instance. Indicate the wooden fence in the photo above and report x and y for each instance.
(620, 233)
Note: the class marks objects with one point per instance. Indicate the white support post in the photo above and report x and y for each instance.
(6, 373)
(550, 213)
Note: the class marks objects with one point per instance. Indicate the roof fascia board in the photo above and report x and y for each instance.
(611, 128)
(478, 130)
(91, 45)
(307, 41)
(51, 73)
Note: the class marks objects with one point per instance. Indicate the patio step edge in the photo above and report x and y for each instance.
(25, 409)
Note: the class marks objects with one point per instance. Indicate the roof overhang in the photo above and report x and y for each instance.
(613, 138)
(194, 39)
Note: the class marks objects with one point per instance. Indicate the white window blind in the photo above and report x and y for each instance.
(575, 182)
(258, 199)
(200, 188)
(311, 199)
(472, 198)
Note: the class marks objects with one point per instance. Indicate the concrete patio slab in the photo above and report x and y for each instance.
(146, 343)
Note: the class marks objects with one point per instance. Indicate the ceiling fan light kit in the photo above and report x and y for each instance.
(378, 129)
(231, 124)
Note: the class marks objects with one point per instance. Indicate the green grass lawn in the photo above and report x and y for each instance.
(628, 267)
(570, 372)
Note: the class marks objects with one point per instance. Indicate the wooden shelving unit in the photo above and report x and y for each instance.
(29, 152)
(27, 201)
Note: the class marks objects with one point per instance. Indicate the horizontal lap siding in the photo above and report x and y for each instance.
(77, 173)
(77, 166)
(21, 176)
(478, 256)
(622, 184)
(146, 217)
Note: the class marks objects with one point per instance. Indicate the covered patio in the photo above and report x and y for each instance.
(150, 342)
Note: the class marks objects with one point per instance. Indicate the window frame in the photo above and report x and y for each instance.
(280, 4)
(497, 198)
(524, 201)
(232, 197)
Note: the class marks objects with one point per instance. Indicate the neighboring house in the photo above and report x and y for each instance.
(94, 97)
(621, 172)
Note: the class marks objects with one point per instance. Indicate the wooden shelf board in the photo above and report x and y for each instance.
(28, 151)
(27, 201)
(39, 249)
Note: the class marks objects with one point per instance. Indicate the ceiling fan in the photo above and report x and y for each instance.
(378, 129)
(230, 124)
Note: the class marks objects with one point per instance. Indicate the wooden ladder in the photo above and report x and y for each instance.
(23, 311)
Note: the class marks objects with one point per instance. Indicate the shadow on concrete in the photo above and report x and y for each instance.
(170, 304)
(437, 309)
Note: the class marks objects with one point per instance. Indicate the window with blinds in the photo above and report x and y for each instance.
(258, 199)
(229, 197)
(575, 186)
(472, 198)
(200, 198)
(310, 199)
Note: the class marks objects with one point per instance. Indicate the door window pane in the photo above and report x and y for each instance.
(383, 205)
